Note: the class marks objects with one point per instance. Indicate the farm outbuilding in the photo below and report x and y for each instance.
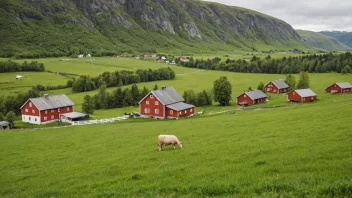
(73, 116)
(46, 109)
(251, 97)
(5, 125)
(301, 95)
(276, 86)
(165, 103)
(343, 87)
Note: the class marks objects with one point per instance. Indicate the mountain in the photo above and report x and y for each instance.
(321, 41)
(343, 37)
(31, 28)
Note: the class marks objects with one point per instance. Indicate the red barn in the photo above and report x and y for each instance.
(46, 109)
(343, 87)
(302, 95)
(277, 86)
(251, 97)
(164, 103)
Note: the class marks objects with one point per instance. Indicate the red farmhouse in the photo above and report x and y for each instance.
(277, 86)
(252, 97)
(343, 87)
(164, 103)
(301, 95)
(46, 109)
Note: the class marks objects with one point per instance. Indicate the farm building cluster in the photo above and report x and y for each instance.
(280, 87)
(163, 103)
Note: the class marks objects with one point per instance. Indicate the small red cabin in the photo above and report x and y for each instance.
(276, 86)
(46, 109)
(251, 97)
(164, 103)
(301, 95)
(343, 87)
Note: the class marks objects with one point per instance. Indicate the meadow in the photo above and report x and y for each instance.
(297, 151)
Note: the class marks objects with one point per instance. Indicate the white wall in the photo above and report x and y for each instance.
(33, 119)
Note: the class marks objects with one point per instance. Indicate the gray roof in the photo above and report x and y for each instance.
(180, 106)
(256, 94)
(344, 85)
(305, 92)
(280, 84)
(168, 96)
(52, 102)
(75, 115)
(4, 123)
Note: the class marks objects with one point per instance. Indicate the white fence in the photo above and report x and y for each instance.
(101, 121)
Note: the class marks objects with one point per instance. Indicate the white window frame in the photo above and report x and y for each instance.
(180, 112)
(147, 102)
(156, 111)
(294, 93)
(46, 112)
(185, 111)
(151, 96)
(29, 118)
(26, 110)
(33, 111)
(312, 98)
(245, 96)
(68, 108)
(52, 111)
(171, 112)
(191, 110)
(45, 118)
(156, 102)
(30, 104)
(146, 110)
(52, 117)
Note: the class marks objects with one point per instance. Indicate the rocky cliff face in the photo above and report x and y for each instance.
(123, 22)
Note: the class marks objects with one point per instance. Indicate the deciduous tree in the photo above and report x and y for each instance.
(222, 91)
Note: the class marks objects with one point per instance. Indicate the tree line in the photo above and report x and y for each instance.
(340, 63)
(120, 78)
(12, 66)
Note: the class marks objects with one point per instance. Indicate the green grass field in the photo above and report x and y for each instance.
(298, 151)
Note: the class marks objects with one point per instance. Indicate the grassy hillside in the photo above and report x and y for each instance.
(321, 41)
(300, 151)
(63, 27)
(343, 37)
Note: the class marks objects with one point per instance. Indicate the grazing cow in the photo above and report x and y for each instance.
(167, 140)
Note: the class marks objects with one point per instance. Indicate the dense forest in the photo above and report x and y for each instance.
(340, 63)
(12, 66)
(120, 78)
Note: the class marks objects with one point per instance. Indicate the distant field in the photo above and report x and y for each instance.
(298, 151)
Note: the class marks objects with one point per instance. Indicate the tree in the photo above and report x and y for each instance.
(155, 87)
(1, 116)
(346, 69)
(135, 94)
(261, 87)
(250, 88)
(10, 116)
(88, 104)
(303, 81)
(291, 82)
(222, 91)
(145, 91)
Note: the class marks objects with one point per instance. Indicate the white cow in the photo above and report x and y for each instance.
(167, 140)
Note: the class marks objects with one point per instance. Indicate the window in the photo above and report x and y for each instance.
(45, 118)
(33, 111)
(156, 102)
(52, 111)
(294, 93)
(147, 102)
(312, 98)
(68, 108)
(30, 104)
(52, 117)
(191, 110)
(156, 111)
(26, 110)
(171, 112)
(180, 112)
(274, 90)
(245, 96)
(151, 96)
(29, 118)
(35, 119)
(46, 112)
(185, 111)
(146, 110)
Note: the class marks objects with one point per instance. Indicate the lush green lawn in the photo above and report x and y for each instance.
(301, 151)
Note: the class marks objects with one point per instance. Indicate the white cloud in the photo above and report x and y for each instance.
(314, 15)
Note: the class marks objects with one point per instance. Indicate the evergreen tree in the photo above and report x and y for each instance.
(261, 87)
(10, 116)
(1, 115)
(155, 87)
(127, 98)
(145, 91)
(117, 98)
(222, 91)
(88, 104)
(135, 94)
(250, 88)
(303, 81)
(291, 82)
(346, 69)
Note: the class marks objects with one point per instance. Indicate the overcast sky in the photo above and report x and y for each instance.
(314, 15)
